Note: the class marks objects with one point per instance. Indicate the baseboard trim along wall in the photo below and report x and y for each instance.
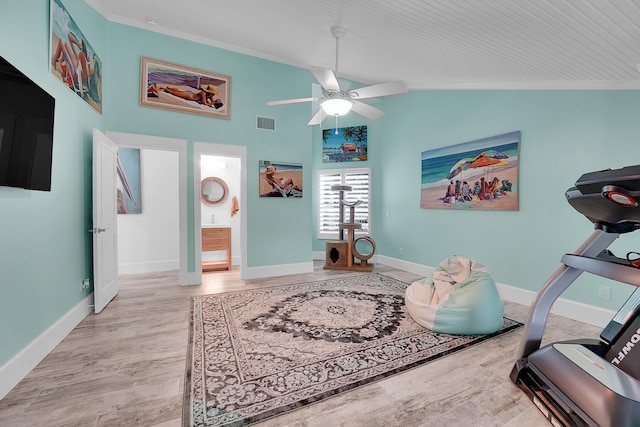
(12, 372)
(278, 270)
(570, 309)
(149, 267)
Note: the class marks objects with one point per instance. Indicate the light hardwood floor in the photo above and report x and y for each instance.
(126, 366)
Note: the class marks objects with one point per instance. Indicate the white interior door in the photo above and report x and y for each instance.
(105, 247)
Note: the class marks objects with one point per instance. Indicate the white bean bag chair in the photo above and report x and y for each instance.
(460, 297)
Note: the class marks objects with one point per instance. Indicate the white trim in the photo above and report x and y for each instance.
(571, 309)
(225, 150)
(411, 267)
(167, 144)
(14, 371)
(148, 267)
(278, 270)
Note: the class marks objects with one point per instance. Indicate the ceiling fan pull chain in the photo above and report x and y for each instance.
(337, 54)
(336, 124)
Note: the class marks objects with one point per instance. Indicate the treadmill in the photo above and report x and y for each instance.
(590, 382)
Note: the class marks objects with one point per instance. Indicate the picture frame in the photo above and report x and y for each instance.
(175, 87)
(280, 179)
(475, 175)
(347, 144)
(72, 60)
(128, 181)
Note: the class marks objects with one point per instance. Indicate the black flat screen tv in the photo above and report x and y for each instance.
(26, 131)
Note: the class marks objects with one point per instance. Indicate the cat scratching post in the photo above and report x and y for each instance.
(340, 254)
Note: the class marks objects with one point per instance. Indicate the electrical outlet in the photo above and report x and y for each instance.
(86, 284)
(604, 292)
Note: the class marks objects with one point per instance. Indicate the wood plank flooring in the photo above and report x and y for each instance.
(126, 366)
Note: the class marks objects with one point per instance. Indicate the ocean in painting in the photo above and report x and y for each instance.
(436, 164)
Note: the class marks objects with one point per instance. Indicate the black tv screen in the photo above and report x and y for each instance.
(26, 131)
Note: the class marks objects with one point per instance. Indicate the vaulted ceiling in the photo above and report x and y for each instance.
(430, 44)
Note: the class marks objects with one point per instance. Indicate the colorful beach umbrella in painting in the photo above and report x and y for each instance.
(461, 165)
(493, 154)
(481, 162)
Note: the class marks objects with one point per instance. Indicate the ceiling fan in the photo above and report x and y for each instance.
(337, 102)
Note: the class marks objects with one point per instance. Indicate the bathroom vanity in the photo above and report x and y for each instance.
(216, 238)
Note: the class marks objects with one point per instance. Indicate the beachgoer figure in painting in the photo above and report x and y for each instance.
(466, 192)
(457, 191)
(483, 189)
(451, 191)
(72, 57)
(283, 184)
(204, 96)
(476, 190)
(492, 188)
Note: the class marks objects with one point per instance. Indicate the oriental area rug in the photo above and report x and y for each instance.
(258, 353)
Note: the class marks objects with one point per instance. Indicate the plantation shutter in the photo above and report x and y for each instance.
(329, 201)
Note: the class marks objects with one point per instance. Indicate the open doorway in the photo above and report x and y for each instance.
(228, 164)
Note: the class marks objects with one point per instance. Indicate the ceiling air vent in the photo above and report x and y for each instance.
(266, 123)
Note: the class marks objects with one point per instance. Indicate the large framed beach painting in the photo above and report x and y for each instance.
(280, 179)
(185, 89)
(348, 144)
(72, 59)
(478, 175)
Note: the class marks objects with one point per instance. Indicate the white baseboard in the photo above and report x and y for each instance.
(564, 307)
(148, 267)
(278, 270)
(12, 372)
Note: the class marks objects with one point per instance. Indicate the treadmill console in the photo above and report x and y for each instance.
(609, 198)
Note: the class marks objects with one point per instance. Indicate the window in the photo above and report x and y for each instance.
(329, 200)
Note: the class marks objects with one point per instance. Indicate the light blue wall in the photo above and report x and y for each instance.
(278, 230)
(564, 134)
(45, 249)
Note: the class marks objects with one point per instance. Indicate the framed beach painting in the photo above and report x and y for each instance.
(348, 144)
(279, 179)
(185, 89)
(478, 175)
(72, 59)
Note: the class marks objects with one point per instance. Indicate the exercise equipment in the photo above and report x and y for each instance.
(589, 382)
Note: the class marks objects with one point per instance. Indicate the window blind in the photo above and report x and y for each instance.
(329, 200)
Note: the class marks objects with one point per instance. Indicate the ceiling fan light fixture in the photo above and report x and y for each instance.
(336, 106)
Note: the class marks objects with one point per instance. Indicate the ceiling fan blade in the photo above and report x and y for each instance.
(382, 89)
(317, 117)
(327, 79)
(294, 101)
(366, 110)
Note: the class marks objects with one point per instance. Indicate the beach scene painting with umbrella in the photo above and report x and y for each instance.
(479, 175)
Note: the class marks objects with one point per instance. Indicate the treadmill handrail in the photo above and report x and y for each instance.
(622, 273)
(555, 286)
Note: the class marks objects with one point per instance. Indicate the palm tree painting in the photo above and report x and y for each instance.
(348, 144)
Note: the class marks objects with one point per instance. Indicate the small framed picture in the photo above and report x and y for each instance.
(279, 179)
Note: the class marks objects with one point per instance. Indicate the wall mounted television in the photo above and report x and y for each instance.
(26, 131)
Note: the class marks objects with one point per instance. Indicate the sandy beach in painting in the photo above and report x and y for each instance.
(431, 197)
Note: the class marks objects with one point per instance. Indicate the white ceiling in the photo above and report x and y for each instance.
(430, 44)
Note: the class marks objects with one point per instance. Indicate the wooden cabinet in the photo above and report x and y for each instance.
(217, 239)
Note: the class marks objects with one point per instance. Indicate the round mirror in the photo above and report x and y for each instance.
(213, 191)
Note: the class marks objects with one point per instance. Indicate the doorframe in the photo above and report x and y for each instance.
(212, 149)
(150, 142)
